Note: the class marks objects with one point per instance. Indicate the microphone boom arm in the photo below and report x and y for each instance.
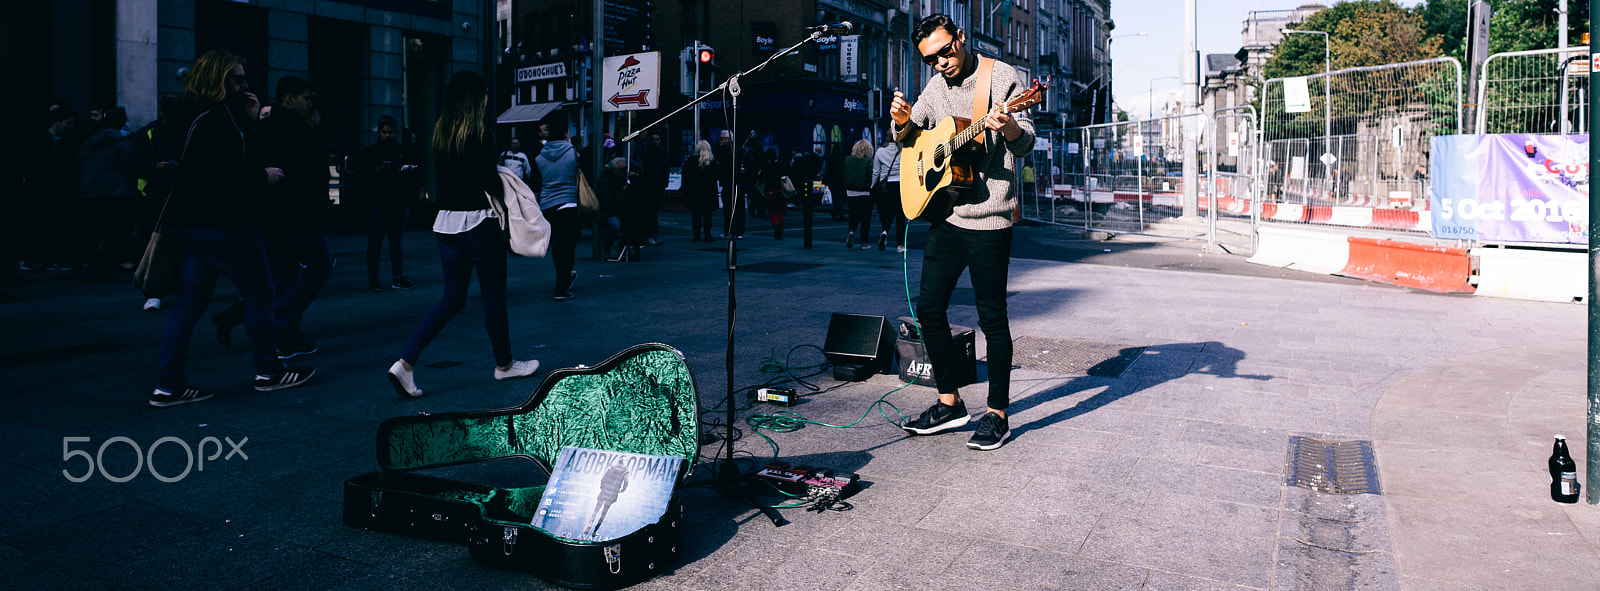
(734, 79)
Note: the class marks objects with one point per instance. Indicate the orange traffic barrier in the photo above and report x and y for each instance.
(1434, 268)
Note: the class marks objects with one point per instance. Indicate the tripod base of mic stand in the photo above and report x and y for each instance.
(729, 481)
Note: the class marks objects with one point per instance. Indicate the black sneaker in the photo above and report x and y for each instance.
(849, 241)
(162, 398)
(939, 417)
(883, 241)
(296, 350)
(401, 283)
(374, 288)
(993, 431)
(290, 377)
(562, 296)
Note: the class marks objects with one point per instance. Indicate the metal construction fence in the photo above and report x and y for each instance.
(1355, 151)
(1528, 91)
(1127, 178)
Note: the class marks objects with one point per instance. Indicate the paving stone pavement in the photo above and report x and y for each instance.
(1168, 476)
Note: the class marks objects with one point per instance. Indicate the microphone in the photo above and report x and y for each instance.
(843, 27)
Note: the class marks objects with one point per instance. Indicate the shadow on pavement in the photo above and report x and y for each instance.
(1157, 364)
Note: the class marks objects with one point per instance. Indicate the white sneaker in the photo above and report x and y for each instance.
(519, 369)
(152, 304)
(899, 249)
(404, 380)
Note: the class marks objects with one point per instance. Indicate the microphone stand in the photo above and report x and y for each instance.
(728, 475)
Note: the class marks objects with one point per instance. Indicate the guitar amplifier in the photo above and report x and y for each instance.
(914, 365)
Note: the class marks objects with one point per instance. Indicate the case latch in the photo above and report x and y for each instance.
(509, 541)
(377, 501)
(614, 558)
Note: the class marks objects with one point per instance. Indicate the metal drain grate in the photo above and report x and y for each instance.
(1073, 356)
(777, 267)
(1329, 466)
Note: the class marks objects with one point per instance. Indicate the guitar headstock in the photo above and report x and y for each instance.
(1027, 98)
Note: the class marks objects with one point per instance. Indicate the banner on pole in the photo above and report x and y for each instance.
(1510, 188)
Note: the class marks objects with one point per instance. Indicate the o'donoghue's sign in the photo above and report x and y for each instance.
(531, 73)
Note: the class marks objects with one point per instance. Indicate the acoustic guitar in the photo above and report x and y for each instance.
(939, 162)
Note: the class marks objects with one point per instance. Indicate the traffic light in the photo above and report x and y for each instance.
(707, 56)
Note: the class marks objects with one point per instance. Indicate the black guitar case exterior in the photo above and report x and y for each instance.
(642, 400)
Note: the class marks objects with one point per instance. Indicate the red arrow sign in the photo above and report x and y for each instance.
(641, 98)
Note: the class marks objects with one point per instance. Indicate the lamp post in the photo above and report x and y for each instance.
(1109, 63)
(1150, 109)
(1327, 105)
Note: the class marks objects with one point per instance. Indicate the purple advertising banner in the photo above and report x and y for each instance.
(1511, 188)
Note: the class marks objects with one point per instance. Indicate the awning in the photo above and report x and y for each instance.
(527, 113)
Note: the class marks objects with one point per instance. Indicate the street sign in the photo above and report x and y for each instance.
(631, 82)
(1233, 144)
(1328, 159)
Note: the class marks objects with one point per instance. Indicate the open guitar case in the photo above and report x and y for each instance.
(642, 400)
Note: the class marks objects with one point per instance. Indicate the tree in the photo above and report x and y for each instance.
(1362, 33)
(1517, 25)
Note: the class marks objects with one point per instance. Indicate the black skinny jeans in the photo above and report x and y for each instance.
(891, 214)
(986, 255)
(564, 232)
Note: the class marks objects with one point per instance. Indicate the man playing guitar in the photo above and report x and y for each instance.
(976, 236)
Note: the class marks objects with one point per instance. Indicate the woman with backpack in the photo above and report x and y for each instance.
(469, 239)
(858, 191)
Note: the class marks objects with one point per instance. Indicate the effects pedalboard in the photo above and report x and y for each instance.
(806, 481)
(778, 396)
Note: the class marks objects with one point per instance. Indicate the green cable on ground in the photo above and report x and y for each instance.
(785, 421)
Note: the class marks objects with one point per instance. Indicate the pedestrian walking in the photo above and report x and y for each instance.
(858, 191)
(976, 235)
(515, 160)
(833, 177)
(700, 190)
(212, 213)
(773, 172)
(109, 168)
(558, 200)
(652, 185)
(804, 171)
(886, 187)
(296, 209)
(388, 184)
(464, 152)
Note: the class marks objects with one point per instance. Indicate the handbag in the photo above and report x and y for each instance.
(587, 200)
(521, 221)
(158, 273)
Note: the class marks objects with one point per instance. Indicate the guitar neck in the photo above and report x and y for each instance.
(969, 133)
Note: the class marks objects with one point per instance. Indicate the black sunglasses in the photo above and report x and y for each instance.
(948, 50)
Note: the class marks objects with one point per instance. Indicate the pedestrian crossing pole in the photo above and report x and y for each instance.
(1592, 480)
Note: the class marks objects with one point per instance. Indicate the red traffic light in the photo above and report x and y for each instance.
(706, 55)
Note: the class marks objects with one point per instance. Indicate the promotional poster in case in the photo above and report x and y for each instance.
(596, 496)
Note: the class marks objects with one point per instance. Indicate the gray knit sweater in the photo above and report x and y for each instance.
(989, 204)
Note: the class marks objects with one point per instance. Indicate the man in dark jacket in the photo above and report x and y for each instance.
(652, 185)
(387, 182)
(297, 249)
(108, 184)
(807, 167)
